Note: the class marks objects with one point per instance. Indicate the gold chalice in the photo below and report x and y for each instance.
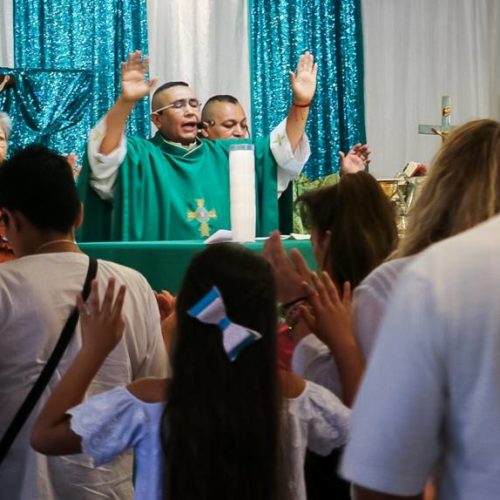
(389, 187)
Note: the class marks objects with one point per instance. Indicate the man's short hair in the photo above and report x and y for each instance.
(216, 98)
(166, 86)
(39, 183)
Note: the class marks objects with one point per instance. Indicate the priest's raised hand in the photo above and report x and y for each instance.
(135, 84)
(303, 84)
(303, 81)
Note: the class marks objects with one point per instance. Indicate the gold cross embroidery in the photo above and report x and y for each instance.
(203, 216)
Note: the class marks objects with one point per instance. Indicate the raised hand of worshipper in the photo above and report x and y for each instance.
(166, 303)
(102, 324)
(330, 318)
(135, 84)
(102, 328)
(289, 271)
(356, 160)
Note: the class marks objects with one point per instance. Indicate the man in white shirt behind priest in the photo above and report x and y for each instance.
(40, 208)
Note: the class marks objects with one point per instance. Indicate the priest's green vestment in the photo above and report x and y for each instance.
(166, 192)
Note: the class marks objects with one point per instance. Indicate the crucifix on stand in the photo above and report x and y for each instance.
(445, 128)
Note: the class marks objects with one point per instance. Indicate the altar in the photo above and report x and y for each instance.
(164, 263)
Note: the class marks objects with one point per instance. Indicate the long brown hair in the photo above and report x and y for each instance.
(221, 428)
(462, 189)
(361, 221)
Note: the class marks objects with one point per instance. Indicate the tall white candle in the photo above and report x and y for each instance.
(242, 191)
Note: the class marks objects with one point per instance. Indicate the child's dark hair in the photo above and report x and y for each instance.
(221, 426)
(39, 183)
(361, 221)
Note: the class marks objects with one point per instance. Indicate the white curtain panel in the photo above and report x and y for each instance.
(201, 42)
(6, 33)
(415, 52)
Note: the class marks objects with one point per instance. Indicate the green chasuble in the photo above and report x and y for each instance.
(165, 192)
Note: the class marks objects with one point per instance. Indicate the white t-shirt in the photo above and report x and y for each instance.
(370, 300)
(430, 399)
(37, 294)
(112, 422)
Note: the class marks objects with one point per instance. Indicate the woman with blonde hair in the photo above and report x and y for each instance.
(461, 191)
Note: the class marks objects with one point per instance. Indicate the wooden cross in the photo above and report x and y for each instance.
(445, 128)
(203, 216)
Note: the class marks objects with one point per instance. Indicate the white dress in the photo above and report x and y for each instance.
(115, 421)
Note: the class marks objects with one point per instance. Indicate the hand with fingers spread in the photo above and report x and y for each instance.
(331, 316)
(331, 320)
(289, 271)
(303, 81)
(135, 85)
(102, 324)
(356, 160)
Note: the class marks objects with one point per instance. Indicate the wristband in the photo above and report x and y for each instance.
(302, 105)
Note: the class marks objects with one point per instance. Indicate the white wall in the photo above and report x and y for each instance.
(6, 33)
(415, 52)
(202, 42)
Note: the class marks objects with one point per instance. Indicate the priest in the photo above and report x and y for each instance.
(175, 185)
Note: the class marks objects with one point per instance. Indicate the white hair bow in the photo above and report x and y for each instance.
(211, 309)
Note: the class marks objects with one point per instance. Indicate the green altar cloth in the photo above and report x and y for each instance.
(164, 263)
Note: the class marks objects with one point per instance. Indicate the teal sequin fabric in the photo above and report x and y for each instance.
(67, 58)
(280, 31)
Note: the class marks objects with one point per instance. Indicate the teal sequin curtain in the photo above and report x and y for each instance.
(280, 31)
(79, 45)
(48, 107)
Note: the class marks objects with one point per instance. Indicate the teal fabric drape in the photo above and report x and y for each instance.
(81, 43)
(281, 30)
(47, 104)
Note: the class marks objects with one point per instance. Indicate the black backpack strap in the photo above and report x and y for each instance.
(48, 370)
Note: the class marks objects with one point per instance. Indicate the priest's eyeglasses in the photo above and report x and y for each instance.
(180, 104)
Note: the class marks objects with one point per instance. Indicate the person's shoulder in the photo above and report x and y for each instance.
(382, 279)
(315, 402)
(125, 274)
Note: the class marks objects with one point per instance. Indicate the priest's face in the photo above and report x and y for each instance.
(178, 122)
(225, 120)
